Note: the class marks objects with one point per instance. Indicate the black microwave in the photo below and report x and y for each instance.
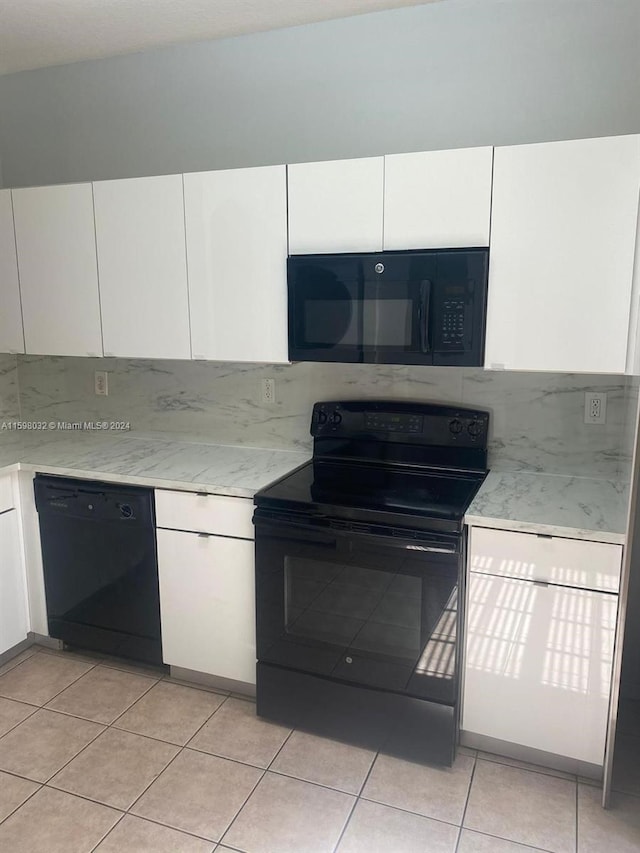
(413, 307)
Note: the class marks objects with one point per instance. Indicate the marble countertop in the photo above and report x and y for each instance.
(576, 507)
(158, 462)
(558, 505)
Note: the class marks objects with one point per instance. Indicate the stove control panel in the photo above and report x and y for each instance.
(390, 422)
(399, 421)
(473, 428)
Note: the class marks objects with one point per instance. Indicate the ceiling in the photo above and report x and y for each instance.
(39, 33)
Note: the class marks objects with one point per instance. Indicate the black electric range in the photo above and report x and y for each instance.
(359, 576)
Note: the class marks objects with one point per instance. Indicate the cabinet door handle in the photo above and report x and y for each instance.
(540, 583)
(202, 494)
(204, 535)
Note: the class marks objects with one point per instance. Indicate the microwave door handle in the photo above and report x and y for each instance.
(423, 315)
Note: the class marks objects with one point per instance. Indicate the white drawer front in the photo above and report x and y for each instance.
(219, 514)
(566, 562)
(6, 494)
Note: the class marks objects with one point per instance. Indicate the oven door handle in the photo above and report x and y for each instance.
(447, 545)
(398, 542)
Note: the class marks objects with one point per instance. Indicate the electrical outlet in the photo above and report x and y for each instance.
(101, 383)
(595, 407)
(269, 391)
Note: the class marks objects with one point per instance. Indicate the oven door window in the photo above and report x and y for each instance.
(380, 615)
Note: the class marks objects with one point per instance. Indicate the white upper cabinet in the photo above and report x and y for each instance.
(11, 334)
(563, 229)
(236, 224)
(437, 199)
(142, 267)
(55, 238)
(336, 206)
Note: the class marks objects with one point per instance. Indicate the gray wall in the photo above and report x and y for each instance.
(450, 74)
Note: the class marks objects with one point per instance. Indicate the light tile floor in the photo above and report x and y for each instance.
(101, 756)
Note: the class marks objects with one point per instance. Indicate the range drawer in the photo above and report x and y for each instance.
(200, 513)
(550, 559)
(6, 494)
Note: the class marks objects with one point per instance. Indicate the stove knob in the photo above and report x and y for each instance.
(336, 418)
(455, 426)
(475, 428)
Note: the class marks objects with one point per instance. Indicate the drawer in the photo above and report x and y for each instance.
(6, 494)
(551, 559)
(202, 513)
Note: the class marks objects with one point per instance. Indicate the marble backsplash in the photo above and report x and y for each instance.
(536, 418)
(9, 396)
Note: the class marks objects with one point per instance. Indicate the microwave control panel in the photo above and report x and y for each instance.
(453, 322)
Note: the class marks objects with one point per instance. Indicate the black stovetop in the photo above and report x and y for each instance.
(374, 488)
(409, 463)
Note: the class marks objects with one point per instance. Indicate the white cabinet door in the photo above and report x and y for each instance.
(437, 199)
(11, 333)
(207, 604)
(538, 665)
(142, 267)
(14, 624)
(563, 229)
(336, 206)
(55, 238)
(236, 224)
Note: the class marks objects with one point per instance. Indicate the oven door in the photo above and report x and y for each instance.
(378, 610)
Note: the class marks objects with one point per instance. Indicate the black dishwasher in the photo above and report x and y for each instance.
(100, 566)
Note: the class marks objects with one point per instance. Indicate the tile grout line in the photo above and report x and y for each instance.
(32, 794)
(105, 727)
(356, 800)
(237, 814)
(408, 811)
(131, 667)
(279, 750)
(509, 841)
(129, 707)
(66, 764)
(108, 832)
(24, 720)
(466, 802)
(89, 719)
(10, 663)
(55, 696)
(112, 725)
(152, 782)
(264, 773)
(181, 749)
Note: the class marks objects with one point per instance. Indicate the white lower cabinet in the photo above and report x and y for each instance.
(14, 621)
(538, 662)
(207, 603)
